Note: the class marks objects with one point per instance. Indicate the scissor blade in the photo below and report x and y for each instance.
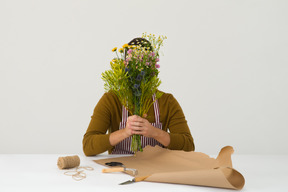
(127, 182)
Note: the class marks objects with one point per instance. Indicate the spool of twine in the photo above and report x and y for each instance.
(68, 162)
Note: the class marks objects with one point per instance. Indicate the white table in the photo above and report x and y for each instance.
(22, 172)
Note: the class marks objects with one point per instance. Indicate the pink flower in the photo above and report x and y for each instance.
(152, 54)
(157, 66)
(147, 63)
(157, 59)
(129, 51)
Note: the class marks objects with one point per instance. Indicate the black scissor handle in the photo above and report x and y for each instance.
(114, 163)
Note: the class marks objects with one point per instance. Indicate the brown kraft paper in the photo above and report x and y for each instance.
(180, 167)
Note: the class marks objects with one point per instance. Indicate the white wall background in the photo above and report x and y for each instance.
(225, 62)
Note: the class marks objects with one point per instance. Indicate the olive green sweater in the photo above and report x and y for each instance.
(108, 114)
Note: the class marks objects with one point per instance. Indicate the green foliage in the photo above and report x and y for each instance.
(116, 80)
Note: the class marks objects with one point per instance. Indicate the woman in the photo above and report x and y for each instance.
(109, 115)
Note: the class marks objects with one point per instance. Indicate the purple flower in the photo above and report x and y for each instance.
(136, 86)
(157, 66)
(153, 54)
(157, 59)
(139, 78)
(129, 51)
(147, 63)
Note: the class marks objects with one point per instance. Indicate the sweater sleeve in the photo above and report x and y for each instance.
(95, 140)
(180, 136)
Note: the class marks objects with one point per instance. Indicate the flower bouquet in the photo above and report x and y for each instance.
(133, 77)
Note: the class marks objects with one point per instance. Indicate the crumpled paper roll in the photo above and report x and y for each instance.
(191, 168)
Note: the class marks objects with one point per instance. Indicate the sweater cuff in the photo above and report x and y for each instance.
(107, 142)
(175, 141)
(102, 145)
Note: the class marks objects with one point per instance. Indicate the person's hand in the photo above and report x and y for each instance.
(140, 126)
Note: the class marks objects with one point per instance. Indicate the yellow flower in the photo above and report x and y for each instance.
(114, 49)
(121, 50)
(131, 46)
(125, 45)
